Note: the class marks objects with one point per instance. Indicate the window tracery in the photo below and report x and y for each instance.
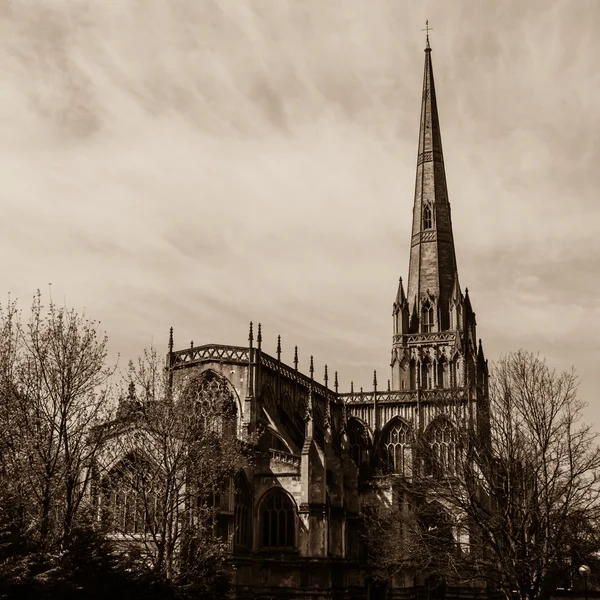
(128, 505)
(443, 448)
(397, 450)
(278, 527)
(215, 402)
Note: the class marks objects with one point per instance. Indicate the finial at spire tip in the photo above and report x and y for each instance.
(427, 30)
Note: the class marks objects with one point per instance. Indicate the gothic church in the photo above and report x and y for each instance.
(294, 514)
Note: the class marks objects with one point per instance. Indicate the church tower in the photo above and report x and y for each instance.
(434, 328)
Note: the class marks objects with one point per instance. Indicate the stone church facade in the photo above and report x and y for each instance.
(294, 514)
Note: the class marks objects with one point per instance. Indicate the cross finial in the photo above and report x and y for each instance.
(427, 30)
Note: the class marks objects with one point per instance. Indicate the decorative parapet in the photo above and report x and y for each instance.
(210, 353)
(240, 355)
(293, 375)
(435, 337)
(406, 396)
(285, 457)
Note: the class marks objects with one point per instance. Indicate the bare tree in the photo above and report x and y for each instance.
(168, 469)
(54, 390)
(514, 500)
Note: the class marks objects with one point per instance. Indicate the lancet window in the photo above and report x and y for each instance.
(278, 527)
(397, 450)
(427, 218)
(427, 317)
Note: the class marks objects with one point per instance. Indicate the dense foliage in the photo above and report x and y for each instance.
(60, 411)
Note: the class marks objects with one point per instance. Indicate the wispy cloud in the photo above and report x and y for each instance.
(201, 164)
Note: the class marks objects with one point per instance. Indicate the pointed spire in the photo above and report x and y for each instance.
(250, 336)
(326, 377)
(432, 256)
(296, 358)
(259, 337)
(352, 387)
(389, 387)
(335, 383)
(375, 380)
(171, 339)
(278, 347)
(312, 367)
(191, 344)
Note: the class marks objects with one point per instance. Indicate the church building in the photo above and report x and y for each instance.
(294, 515)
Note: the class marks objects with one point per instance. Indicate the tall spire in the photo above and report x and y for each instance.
(432, 265)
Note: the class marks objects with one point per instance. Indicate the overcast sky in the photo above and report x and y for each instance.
(201, 163)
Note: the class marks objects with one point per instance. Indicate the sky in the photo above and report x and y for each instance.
(201, 164)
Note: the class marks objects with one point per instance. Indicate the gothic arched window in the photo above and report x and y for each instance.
(442, 441)
(396, 445)
(428, 317)
(215, 402)
(278, 516)
(427, 218)
(242, 512)
(359, 442)
(130, 505)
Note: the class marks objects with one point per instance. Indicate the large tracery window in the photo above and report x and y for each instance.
(278, 516)
(397, 451)
(443, 448)
(215, 403)
(129, 505)
(242, 512)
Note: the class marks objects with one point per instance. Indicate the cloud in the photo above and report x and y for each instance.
(201, 164)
